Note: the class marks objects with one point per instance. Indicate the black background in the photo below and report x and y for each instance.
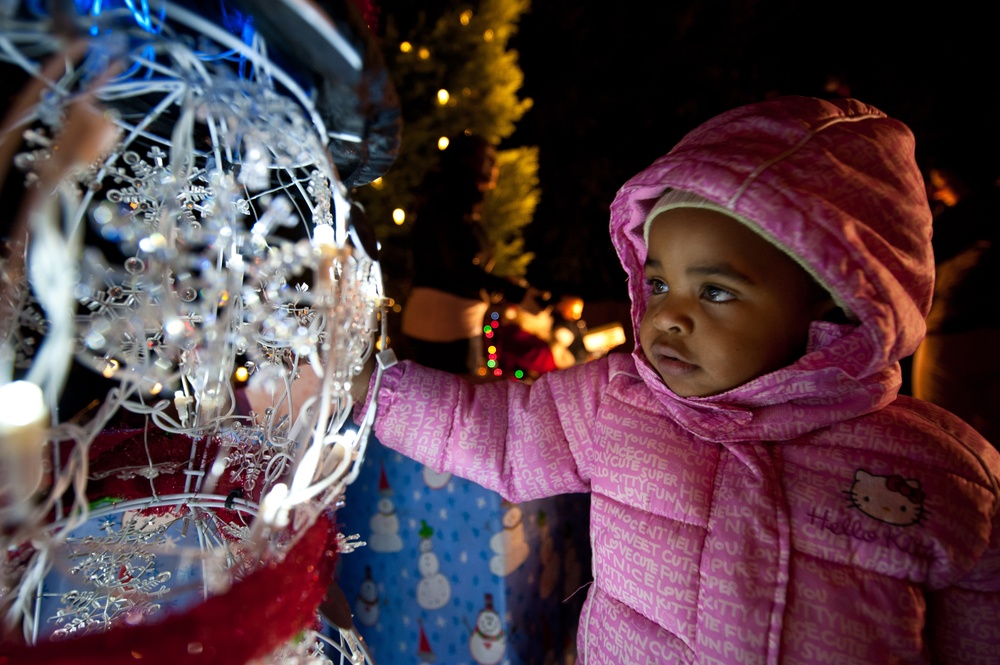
(616, 84)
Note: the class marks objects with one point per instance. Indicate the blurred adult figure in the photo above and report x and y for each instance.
(568, 330)
(453, 283)
(958, 366)
(523, 342)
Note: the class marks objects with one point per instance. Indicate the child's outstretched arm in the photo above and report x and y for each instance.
(522, 441)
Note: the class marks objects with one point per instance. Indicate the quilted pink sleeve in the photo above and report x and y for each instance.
(964, 619)
(522, 441)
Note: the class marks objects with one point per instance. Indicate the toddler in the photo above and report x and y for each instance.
(760, 492)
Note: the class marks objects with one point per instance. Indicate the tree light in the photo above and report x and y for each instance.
(443, 143)
(604, 338)
(405, 47)
(443, 96)
(110, 368)
(399, 216)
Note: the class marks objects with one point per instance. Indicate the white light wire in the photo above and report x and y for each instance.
(327, 442)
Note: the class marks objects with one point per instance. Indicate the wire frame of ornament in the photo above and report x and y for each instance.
(180, 219)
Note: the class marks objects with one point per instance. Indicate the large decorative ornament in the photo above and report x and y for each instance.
(179, 225)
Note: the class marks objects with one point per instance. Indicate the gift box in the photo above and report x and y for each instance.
(452, 573)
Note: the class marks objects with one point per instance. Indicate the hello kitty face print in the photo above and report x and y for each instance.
(891, 499)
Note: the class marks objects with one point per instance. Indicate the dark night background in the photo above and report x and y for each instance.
(615, 87)
(616, 84)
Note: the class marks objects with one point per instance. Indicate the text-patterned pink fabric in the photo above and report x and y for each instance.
(808, 516)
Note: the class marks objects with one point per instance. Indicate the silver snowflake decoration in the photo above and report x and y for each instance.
(117, 575)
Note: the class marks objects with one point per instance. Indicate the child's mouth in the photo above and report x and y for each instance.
(674, 367)
(670, 363)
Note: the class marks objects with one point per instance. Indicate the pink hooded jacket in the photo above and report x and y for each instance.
(807, 516)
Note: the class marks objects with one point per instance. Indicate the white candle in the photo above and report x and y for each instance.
(23, 428)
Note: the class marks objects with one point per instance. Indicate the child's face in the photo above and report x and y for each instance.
(725, 306)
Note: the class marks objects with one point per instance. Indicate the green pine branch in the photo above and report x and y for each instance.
(464, 50)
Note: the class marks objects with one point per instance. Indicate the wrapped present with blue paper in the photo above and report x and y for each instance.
(453, 573)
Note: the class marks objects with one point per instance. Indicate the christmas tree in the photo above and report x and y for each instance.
(454, 73)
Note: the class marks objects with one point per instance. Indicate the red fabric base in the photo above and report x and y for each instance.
(255, 617)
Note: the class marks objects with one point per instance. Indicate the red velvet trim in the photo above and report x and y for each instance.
(255, 617)
(115, 449)
(119, 452)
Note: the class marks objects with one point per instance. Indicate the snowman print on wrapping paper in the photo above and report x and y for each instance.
(509, 546)
(435, 480)
(384, 523)
(424, 652)
(366, 605)
(488, 643)
(433, 590)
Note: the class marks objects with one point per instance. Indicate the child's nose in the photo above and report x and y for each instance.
(671, 315)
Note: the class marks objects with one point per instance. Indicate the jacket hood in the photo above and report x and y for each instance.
(835, 184)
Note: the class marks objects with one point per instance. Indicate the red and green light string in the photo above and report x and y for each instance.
(492, 352)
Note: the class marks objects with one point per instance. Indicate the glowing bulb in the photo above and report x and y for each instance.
(604, 338)
(465, 17)
(323, 236)
(21, 403)
(399, 216)
(405, 47)
(443, 143)
(564, 336)
(423, 53)
(443, 96)
(110, 368)
(153, 243)
(272, 510)
(23, 426)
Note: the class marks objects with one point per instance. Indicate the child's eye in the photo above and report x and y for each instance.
(656, 286)
(717, 294)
